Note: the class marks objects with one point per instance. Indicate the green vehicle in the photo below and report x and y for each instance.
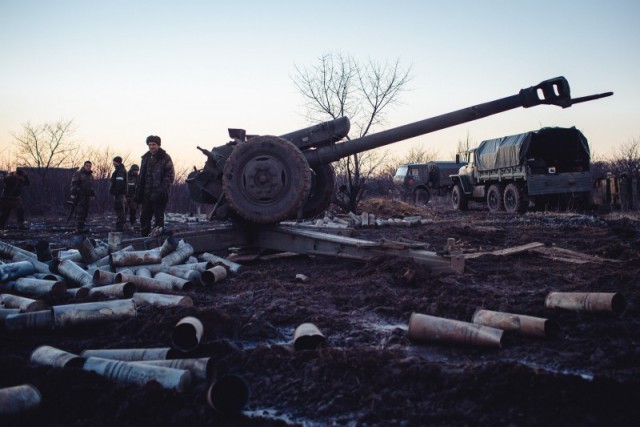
(548, 168)
(418, 182)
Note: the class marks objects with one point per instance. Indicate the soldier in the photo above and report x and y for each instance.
(12, 198)
(132, 182)
(156, 177)
(82, 193)
(118, 190)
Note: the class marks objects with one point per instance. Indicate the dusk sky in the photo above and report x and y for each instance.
(188, 70)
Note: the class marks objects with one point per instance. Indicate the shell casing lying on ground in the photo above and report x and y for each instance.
(187, 334)
(93, 312)
(50, 356)
(7, 250)
(179, 255)
(307, 336)
(214, 259)
(81, 292)
(169, 245)
(103, 277)
(160, 300)
(43, 251)
(117, 290)
(526, 325)
(39, 266)
(19, 399)
(178, 283)
(4, 312)
(87, 251)
(201, 368)
(73, 272)
(198, 266)
(129, 354)
(39, 287)
(16, 270)
(423, 327)
(189, 275)
(145, 283)
(170, 378)
(35, 320)
(587, 301)
(228, 394)
(213, 275)
(133, 258)
(25, 305)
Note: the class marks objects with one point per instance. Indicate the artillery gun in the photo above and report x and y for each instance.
(267, 179)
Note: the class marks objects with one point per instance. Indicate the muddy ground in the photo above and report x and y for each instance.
(369, 373)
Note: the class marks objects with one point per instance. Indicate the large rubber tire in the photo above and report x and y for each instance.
(323, 187)
(495, 198)
(266, 180)
(515, 200)
(459, 199)
(421, 197)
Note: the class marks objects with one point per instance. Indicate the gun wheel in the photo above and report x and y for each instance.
(266, 180)
(323, 187)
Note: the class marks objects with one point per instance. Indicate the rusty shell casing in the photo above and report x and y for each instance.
(114, 241)
(213, 275)
(19, 399)
(587, 301)
(169, 245)
(25, 305)
(15, 270)
(132, 258)
(33, 321)
(178, 256)
(187, 334)
(201, 368)
(48, 276)
(7, 250)
(160, 300)
(100, 263)
(307, 336)
(74, 273)
(81, 292)
(178, 284)
(129, 354)
(39, 287)
(423, 327)
(523, 324)
(198, 266)
(228, 394)
(145, 284)
(50, 356)
(4, 312)
(170, 378)
(189, 275)
(87, 251)
(133, 269)
(92, 312)
(103, 277)
(216, 260)
(40, 267)
(143, 272)
(117, 290)
(70, 254)
(43, 251)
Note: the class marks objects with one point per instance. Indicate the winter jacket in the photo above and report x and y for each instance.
(13, 185)
(82, 184)
(119, 181)
(132, 182)
(156, 177)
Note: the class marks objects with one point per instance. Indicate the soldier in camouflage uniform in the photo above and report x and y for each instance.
(12, 198)
(118, 190)
(152, 192)
(132, 181)
(82, 193)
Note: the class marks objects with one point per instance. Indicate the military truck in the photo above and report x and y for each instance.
(548, 167)
(418, 182)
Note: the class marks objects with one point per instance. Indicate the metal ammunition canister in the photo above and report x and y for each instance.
(26, 305)
(117, 290)
(187, 334)
(198, 266)
(177, 283)
(228, 394)
(39, 287)
(587, 301)
(307, 337)
(189, 275)
(423, 327)
(213, 275)
(145, 284)
(170, 378)
(73, 272)
(216, 260)
(19, 399)
(92, 312)
(103, 277)
(87, 251)
(179, 255)
(132, 258)
(160, 300)
(525, 325)
(50, 356)
(201, 368)
(129, 354)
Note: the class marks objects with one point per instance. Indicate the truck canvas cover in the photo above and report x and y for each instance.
(547, 144)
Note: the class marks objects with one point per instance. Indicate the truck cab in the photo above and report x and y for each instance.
(418, 182)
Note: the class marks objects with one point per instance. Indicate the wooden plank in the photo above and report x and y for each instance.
(507, 251)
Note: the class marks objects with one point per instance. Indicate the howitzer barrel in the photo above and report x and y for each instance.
(553, 91)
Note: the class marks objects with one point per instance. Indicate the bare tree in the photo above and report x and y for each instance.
(419, 154)
(627, 158)
(340, 86)
(49, 145)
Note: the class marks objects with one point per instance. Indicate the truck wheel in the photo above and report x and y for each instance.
(421, 197)
(323, 188)
(495, 198)
(266, 180)
(459, 199)
(514, 199)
